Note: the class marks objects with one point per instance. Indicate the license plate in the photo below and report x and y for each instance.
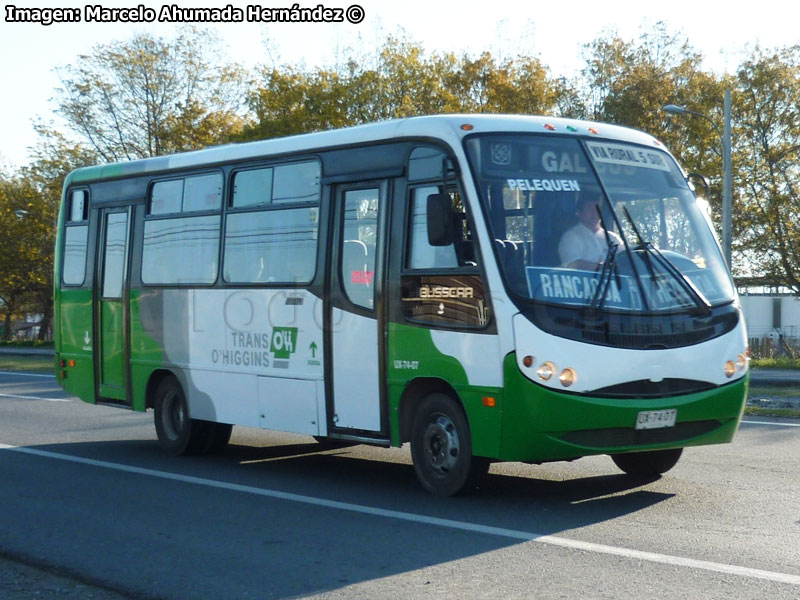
(656, 419)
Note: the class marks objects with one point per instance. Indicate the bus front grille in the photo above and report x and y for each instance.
(645, 388)
(618, 437)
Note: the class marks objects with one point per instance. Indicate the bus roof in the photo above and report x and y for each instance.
(448, 128)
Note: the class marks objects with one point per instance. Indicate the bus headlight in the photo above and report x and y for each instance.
(568, 377)
(741, 362)
(729, 368)
(546, 370)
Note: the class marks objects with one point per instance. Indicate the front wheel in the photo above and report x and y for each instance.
(650, 463)
(441, 447)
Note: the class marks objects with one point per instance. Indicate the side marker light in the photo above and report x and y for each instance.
(528, 361)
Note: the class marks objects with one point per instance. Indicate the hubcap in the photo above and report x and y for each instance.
(441, 445)
(174, 416)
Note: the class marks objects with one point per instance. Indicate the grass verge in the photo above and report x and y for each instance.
(780, 394)
(775, 363)
(26, 344)
(38, 364)
(784, 413)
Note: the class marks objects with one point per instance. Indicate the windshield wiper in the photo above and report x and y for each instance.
(642, 246)
(609, 268)
(697, 297)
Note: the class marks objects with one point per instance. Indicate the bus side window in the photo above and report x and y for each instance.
(358, 251)
(181, 230)
(76, 237)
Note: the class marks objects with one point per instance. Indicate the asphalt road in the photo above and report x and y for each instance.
(86, 493)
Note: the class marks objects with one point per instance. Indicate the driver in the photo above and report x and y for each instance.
(584, 245)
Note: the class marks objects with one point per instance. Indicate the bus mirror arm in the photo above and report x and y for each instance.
(440, 219)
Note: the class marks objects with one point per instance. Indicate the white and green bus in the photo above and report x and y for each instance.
(406, 281)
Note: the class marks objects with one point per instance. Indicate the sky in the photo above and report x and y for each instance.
(553, 30)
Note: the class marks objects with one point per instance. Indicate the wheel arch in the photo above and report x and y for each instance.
(415, 391)
(156, 377)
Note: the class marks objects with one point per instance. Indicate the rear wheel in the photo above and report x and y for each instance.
(441, 447)
(177, 432)
(651, 463)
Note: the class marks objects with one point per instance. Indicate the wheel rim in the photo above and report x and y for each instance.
(441, 445)
(174, 419)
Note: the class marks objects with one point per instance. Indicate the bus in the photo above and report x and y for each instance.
(406, 282)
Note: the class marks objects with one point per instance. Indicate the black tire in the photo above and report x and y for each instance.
(177, 432)
(441, 447)
(219, 438)
(651, 463)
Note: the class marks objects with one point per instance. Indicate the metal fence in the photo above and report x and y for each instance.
(768, 347)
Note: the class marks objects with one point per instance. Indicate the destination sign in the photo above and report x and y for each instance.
(576, 287)
(629, 156)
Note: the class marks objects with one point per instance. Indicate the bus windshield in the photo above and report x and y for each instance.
(596, 223)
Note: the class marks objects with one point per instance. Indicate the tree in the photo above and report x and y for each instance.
(29, 203)
(520, 85)
(151, 96)
(766, 110)
(24, 263)
(629, 82)
(401, 81)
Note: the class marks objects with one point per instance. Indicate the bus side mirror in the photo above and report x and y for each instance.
(440, 219)
(703, 181)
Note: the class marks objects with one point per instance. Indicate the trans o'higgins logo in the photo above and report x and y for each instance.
(437, 292)
(284, 342)
(251, 349)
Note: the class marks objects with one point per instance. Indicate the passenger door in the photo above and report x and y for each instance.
(356, 315)
(111, 313)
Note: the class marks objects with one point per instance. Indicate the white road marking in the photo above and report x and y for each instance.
(775, 423)
(653, 557)
(22, 374)
(35, 398)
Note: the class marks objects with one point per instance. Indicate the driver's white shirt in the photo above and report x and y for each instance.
(581, 243)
